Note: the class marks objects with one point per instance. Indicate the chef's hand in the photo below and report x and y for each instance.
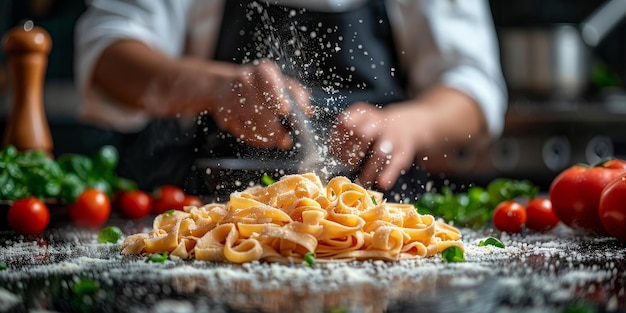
(255, 104)
(249, 101)
(381, 142)
(384, 142)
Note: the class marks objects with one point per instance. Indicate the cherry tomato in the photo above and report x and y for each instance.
(509, 216)
(91, 209)
(540, 216)
(28, 216)
(613, 208)
(168, 197)
(191, 200)
(135, 204)
(575, 194)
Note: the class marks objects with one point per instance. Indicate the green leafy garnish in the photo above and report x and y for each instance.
(579, 307)
(3, 266)
(453, 254)
(474, 207)
(374, 200)
(110, 234)
(157, 258)
(267, 180)
(169, 212)
(491, 241)
(34, 173)
(85, 287)
(309, 259)
(337, 310)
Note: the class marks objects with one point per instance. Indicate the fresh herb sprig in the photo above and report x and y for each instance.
(267, 179)
(109, 234)
(474, 207)
(491, 242)
(453, 254)
(309, 259)
(157, 258)
(34, 173)
(84, 287)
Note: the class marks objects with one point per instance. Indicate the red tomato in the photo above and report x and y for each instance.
(168, 197)
(135, 204)
(613, 208)
(92, 208)
(509, 216)
(575, 194)
(191, 200)
(540, 216)
(28, 216)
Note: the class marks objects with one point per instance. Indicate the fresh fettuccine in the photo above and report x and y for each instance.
(341, 221)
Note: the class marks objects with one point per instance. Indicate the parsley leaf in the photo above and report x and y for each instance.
(110, 234)
(157, 258)
(453, 254)
(491, 241)
(309, 258)
(267, 179)
(84, 287)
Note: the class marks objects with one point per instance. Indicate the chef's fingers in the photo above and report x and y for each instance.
(399, 161)
(300, 95)
(379, 157)
(270, 106)
(347, 147)
(250, 114)
(386, 162)
(354, 132)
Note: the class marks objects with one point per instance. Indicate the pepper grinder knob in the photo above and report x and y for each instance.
(27, 48)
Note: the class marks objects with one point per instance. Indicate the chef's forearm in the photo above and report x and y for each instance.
(138, 76)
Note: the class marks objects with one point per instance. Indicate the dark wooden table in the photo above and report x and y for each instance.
(66, 270)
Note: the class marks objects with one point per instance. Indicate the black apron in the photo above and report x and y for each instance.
(341, 57)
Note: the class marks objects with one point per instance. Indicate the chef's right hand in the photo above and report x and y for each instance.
(253, 105)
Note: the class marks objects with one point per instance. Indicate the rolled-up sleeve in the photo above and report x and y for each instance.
(159, 24)
(453, 42)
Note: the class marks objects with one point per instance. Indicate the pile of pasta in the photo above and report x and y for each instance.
(282, 222)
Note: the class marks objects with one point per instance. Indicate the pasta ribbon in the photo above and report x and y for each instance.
(341, 221)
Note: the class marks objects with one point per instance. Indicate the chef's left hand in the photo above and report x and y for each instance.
(382, 142)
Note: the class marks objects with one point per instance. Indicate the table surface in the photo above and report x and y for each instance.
(558, 271)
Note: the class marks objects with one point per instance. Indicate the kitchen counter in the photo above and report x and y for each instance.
(535, 272)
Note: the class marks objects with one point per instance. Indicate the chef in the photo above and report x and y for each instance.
(383, 82)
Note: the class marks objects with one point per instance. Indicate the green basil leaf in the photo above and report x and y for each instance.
(110, 234)
(71, 188)
(8, 153)
(491, 241)
(309, 258)
(105, 159)
(76, 164)
(579, 307)
(84, 287)
(453, 254)
(267, 180)
(157, 258)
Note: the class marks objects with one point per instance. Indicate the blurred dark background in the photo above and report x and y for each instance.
(567, 103)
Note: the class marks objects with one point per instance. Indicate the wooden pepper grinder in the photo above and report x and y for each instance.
(27, 48)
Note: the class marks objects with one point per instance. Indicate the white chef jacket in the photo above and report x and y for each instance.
(449, 42)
